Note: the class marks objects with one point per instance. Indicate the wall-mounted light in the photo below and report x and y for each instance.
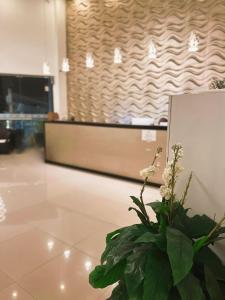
(152, 51)
(193, 45)
(65, 65)
(90, 60)
(117, 56)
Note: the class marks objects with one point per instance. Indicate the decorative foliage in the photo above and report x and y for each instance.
(165, 260)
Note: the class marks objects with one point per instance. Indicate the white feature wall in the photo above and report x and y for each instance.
(198, 123)
(31, 32)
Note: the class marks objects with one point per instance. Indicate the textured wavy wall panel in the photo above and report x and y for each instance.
(140, 86)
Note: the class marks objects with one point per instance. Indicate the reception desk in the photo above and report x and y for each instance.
(118, 150)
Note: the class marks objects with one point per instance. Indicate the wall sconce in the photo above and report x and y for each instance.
(90, 60)
(152, 51)
(193, 45)
(65, 65)
(117, 56)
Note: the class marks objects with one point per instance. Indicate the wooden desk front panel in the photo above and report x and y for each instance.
(117, 151)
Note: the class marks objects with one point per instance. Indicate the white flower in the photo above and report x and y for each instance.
(168, 171)
(178, 169)
(147, 172)
(178, 149)
(180, 153)
(165, 192)
(167, 175)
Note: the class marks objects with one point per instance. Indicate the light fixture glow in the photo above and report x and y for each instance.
(46, 68)
(193, 45)
(65, 65)
(117, 56)
(62, 287)
(90, 60)
(67, 254)
(152, 51)
(7, 124)
(50, 245)
(14, 294)
(88, 265)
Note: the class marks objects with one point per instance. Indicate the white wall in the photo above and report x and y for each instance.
(198, 123)
(32, 31)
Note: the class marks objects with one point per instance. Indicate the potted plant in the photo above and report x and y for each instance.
(170, 259)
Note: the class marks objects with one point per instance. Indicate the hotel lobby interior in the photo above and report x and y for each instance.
(112, 177)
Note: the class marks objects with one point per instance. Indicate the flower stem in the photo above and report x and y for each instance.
(173, 183)
(186, 190)
(218, 225)
(159, 150)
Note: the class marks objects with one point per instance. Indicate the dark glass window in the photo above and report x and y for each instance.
(25, 94)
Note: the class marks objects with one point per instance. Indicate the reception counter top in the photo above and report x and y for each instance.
(110, 125)
(112, 149)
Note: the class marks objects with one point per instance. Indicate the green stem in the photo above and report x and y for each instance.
(186, 190)
(216, 227)
(173, 183)
(159, 150)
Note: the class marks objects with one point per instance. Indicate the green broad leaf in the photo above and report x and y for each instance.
(212, 285)
(138, 203)
(159, 207)
(194, 227)
(222, 286)
(133, 230)
(200, 225)
(119, 292)
(140, 216)
(207, 257)
(119, 253)
(135, 270)
(119, 240)
(158, 239)
(112, 235)
(163, 224)
(180, 252)
(103, 276)
(200, 243)
(174, 295)
(158, 277)
(190, 289)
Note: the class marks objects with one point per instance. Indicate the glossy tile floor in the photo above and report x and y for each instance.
(53, 227)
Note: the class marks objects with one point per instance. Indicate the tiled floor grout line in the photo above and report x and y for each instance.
(13, 280)
(48, 260)
(92, 217)
(26, 291)
(17, 235)
(70, 247)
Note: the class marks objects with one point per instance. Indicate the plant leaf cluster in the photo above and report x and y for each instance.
(160, 261)
(170, 259)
